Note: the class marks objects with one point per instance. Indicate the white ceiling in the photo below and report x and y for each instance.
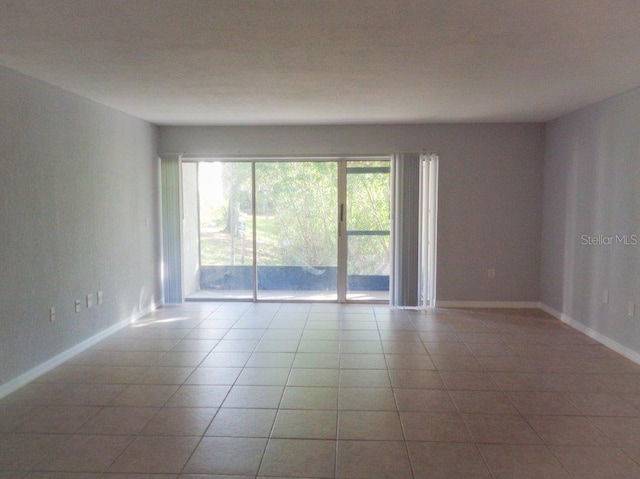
(228, 62)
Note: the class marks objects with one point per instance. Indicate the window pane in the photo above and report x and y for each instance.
(226, 230)
(296, 230)
(368, 230)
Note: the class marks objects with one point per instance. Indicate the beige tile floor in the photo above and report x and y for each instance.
(243, 390)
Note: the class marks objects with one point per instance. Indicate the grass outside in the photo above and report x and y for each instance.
(367, 255)
(218, 248)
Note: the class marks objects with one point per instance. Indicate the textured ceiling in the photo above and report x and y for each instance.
(227, 62)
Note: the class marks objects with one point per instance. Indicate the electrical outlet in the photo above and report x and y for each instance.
(491, 273)
(78, 305)
(89, 300)
(100, 298)
(52, 315)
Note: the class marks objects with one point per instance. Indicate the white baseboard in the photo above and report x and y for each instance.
(34, 373)
(489, 304)
(593, 334)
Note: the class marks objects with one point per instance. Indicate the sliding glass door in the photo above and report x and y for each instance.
(300, 230)
(368, 230)
(296, 230)
(225, 209)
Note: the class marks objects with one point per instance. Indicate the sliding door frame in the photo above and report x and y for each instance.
(341, 162)
(341, 216)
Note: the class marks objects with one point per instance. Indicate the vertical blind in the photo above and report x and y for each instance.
(171, 231)
(405, 274)
(414, 199)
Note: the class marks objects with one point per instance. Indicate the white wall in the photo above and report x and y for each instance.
(78, 214)
(490, 191)
(591, 188)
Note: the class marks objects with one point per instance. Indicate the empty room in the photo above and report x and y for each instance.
(350, 239)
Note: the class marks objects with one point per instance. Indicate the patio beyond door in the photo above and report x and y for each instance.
(297, 230)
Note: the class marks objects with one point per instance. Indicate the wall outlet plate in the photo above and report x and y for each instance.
(89, 300)
(52, 314)
(100, 298)
(78, 306)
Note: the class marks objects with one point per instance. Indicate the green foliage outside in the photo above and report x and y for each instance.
(296, 215)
